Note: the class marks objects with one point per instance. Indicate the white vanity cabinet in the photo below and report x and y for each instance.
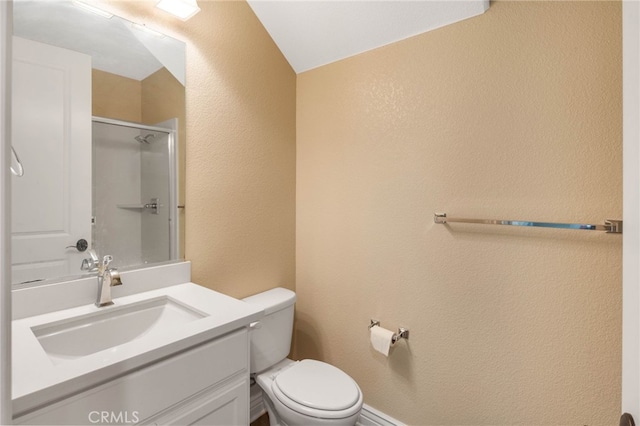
(207, 384)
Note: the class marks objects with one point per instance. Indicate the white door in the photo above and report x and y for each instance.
(51, 202)
(631, 201)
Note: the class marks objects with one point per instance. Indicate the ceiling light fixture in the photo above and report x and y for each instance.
(92, 9)
(183, 9)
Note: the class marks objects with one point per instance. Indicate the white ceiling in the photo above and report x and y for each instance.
(313, 33)
(310, 33)
(114, 44)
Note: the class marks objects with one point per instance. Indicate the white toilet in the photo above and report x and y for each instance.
(296, 393)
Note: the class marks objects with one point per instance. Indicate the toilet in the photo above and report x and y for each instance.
(296, 393)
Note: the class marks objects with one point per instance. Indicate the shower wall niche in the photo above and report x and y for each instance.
(132, 193)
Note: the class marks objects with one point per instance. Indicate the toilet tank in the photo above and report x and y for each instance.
(271, 336)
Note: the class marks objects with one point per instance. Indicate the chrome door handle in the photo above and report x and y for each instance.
(81, 245)
(627, 420)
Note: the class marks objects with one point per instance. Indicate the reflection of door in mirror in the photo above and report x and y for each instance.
(51, 203)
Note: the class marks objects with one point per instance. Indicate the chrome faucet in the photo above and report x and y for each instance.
(107, 277)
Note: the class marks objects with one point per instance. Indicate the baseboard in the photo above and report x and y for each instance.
(369, 416)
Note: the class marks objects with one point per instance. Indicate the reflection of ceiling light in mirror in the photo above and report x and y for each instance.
(92, 9)
(183, 9)
(146, 30)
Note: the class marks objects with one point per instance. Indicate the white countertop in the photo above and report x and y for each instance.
(37, 381)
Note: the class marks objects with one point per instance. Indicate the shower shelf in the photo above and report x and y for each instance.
(153, 206)
(130, 206)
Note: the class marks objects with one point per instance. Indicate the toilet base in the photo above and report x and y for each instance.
(274, 419)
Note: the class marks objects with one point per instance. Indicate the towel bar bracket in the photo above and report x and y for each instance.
(615, 226)
(440, 218)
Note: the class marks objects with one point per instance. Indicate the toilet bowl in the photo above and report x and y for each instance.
(311, 393)
(307, 392)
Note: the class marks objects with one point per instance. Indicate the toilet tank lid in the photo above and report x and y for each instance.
(272, 300)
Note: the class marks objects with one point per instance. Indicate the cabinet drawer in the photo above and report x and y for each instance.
(145, 392)
(224, 406)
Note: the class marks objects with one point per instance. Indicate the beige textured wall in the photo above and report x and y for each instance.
(240, 152)
(163, 98)
(515, 114)
(114, 96)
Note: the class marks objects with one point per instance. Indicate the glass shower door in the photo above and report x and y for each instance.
(133, 203)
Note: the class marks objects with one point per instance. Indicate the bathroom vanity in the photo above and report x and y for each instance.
(178, 354)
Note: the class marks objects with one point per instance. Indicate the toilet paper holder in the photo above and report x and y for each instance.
(402, 333)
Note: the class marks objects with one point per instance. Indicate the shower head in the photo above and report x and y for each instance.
(145, 139)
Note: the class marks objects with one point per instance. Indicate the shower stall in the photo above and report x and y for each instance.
(134, 207)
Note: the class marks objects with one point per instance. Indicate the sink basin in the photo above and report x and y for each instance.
(84, 335)
(59, 353)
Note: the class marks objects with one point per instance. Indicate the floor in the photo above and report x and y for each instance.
(262, 421)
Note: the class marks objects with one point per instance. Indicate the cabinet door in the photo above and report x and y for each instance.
(225, 407)
(152, 392)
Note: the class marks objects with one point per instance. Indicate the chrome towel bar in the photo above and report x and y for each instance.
(610, 226)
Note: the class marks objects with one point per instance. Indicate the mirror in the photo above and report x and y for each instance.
(98, 116)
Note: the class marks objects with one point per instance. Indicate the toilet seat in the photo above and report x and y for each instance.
(317, 389)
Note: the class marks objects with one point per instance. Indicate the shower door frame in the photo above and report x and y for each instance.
(172, 133)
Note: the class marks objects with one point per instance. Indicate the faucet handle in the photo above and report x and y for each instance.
(93, 254)
(92, 263)
(87, 265)
(106, 261)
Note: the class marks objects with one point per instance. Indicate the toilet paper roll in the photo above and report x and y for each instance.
(381, 339)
